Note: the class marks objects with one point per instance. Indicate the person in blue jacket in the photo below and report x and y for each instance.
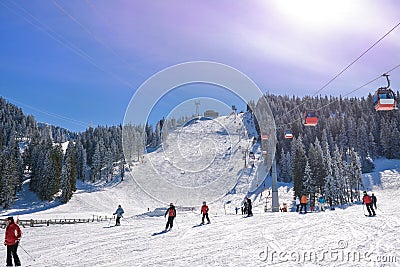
(321, 203)
(119, 212)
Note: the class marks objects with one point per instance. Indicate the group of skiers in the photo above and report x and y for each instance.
(301, 204)
(247, 208)
(369, 201)
(171, 212)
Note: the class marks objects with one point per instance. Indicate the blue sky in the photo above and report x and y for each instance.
(72, 63)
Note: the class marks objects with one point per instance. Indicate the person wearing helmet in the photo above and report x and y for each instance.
(204, 211)
(12, 238)
(368, 202)
(171, 216)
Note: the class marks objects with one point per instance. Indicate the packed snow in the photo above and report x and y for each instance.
(340, 237)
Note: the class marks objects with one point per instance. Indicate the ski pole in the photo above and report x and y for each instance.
(364, 210)
(27, 253)
(126, 220)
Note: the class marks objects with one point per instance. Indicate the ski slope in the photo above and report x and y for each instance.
(344, 237)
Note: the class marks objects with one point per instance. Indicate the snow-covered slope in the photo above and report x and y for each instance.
(344, 237)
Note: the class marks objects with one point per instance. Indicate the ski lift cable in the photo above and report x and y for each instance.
(55, 115)
(60, 39)
(91, 34)
(358, 88)
(344, 69)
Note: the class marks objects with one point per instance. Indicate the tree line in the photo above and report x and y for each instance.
(328, 158)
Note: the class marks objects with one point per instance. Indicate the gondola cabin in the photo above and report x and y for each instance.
(264, 137)
(384, 99)
(288, 134)
(310, 118)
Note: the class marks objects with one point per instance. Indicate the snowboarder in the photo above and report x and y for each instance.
(171, 216)
(249, 207)
(204, 211)
(373, 198)
(119, 213)
(13, 236)
(303, 203)
(321, 203)
(297, 200)
(368, 202)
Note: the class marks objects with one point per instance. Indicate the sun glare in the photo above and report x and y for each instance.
(314, 13)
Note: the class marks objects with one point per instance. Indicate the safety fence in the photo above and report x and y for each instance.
(47, 222)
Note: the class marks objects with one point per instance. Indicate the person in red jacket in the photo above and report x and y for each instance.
(171, 216)
(13, 236)
(368, 202)
(204, 211)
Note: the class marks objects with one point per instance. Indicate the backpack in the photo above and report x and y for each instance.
(171, 212)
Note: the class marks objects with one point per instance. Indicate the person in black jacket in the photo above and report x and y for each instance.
(249, 208)
(171, 216)
(373, 198)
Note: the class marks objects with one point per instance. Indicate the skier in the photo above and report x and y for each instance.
(373, 198)
(13, 236)
(119, 213)
(321, 203)
(204, 211)
(368, 202)
(303, 203)
(246, 206)
(297, 203)
(249, 208)
(171, 216)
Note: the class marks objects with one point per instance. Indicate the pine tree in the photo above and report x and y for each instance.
(69, 174)
(96, 165)
(317, 164)
(299, 163)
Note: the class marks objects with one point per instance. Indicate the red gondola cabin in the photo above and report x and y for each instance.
(310, 118)
(384, 97)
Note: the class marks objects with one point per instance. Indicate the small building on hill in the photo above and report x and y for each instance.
(211, 114)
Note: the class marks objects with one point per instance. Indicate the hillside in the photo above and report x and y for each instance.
(230, 240)
(202, 161)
